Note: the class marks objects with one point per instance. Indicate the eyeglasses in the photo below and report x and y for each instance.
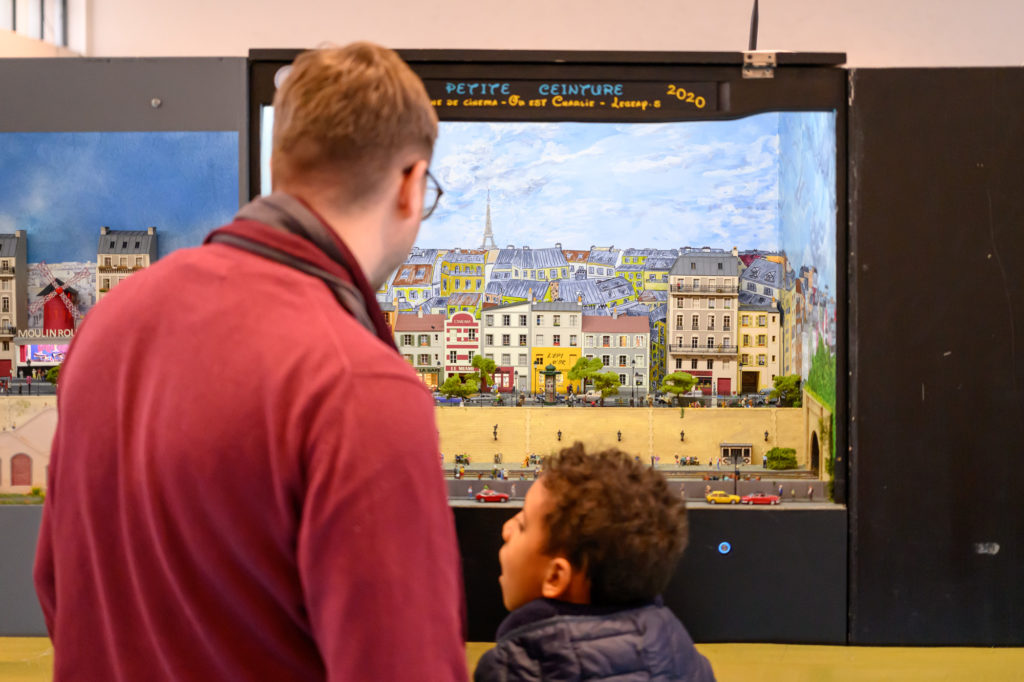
(432, 194)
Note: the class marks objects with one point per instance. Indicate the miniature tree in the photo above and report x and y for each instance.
(53, 374)
(787, 390)
(455, 387)
(607, 383)
(677, 384)
(584, 370)
(486, 368)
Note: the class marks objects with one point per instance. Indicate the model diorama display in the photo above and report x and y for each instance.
(80, 212)
(686, 264)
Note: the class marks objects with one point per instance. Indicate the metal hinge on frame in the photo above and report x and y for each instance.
(759, 64)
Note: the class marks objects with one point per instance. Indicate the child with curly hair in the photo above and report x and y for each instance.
(582, 568)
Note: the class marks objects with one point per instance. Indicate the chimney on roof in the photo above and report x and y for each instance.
(615, 313)
(579, 298)
(104, 230)
(734, 251)
(558, 245)
(529, 294)
(419, 312)
(151, 230)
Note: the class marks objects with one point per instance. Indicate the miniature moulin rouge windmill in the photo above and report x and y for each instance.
(58, 300)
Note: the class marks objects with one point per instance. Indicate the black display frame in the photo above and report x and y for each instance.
(797, 82)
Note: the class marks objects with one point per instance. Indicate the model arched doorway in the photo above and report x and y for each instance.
(815, 451)
(21, 469)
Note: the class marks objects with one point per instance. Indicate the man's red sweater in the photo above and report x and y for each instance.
(245, 485)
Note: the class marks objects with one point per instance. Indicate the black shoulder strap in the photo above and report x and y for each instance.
(282, 215)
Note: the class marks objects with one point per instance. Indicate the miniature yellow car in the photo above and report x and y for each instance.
(721, 497)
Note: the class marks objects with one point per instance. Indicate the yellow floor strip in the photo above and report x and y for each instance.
(30, 659)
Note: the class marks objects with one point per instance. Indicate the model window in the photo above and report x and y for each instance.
(472, 335)
(540, 320)
(489, 339)
(606, 360)
(540, 339)
(453, 357)
(506, 339)
(726, 326)
(506, 359)
(693, 342)
(679, 363)
(693, 363)
(711, 321)
(572, 340)
(489, 320)
(106, 261)
(711, 364)
(695, 322)
(506, 320)
(522, 320)
(522, 359)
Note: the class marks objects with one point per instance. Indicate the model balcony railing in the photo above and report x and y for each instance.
(6, 272)
(7, 331)
(704, 289)
(702, 350)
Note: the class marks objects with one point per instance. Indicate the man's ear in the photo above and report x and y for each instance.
(563, 582)
(410, 192)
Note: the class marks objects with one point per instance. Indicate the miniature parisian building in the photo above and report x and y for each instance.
(120, 254)
(507, 329)
(623, 344)
(461, 343)
(13, 296)
(420, 340)
(760, 338)
(557, 341)
(704, 288)
(760, 333)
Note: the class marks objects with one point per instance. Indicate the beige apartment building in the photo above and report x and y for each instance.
(121, 253)
(702, 319)
(13, 297)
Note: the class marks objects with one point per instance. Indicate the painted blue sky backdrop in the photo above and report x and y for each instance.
(62, 187)
(663, 185)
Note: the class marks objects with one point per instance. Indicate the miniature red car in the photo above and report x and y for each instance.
(491, 496)
(760, 498)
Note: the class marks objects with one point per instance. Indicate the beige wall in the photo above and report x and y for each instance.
(645, 431)
(27, 425)
(871, 32)
(14, 45)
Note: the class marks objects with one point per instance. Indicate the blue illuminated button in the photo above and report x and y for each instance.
(724, 548)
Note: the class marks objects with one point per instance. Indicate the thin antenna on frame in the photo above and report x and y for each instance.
(752, 44)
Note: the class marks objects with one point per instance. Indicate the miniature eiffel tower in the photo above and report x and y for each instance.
(488, 242)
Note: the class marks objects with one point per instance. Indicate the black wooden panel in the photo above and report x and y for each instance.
(20, 614)
(783, 580)
(936, 204)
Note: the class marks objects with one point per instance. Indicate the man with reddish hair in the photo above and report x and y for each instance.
(225, 501)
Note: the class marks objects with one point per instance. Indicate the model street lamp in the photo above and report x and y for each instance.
(619, 434)
(682, 436)
(632, 364)
(765, 436)
(559, 434)
(495, 432)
